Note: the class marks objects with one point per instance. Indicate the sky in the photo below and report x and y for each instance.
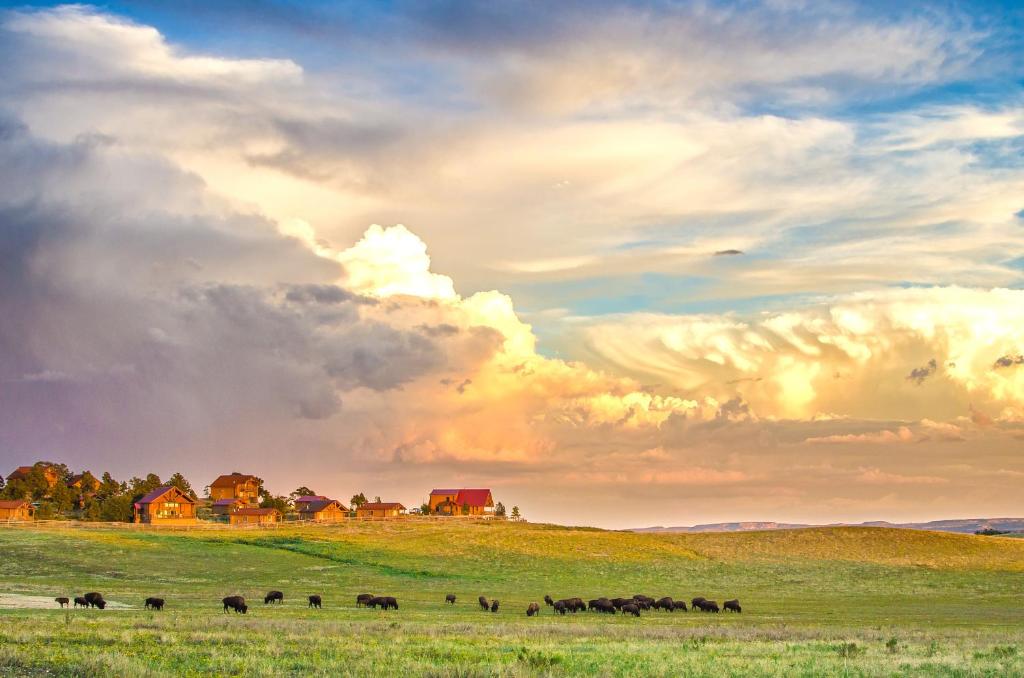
(626, 264)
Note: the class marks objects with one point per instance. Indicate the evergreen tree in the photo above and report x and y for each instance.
(515, 513)
(357, 500)
(499, 510)
(179, 481)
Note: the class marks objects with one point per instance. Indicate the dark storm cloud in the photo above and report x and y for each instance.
(1009, 361)
(919, 374)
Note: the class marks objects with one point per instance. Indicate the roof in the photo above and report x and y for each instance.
(382, 505)
(256, 511)
(478, 497)
(20, 472)
(320, 505)
(306, 498)
(13, 503)
(160, 492)
(432, 492)
(232, 479)
(228, 502)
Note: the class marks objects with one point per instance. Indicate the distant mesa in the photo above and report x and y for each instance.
(962, 526)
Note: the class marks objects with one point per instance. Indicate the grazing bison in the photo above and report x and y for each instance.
(273, 597)
(631, 608)
(548, 601)
(665, 603)
(450, 599)
(532, 609)
(604, 605)
(494, 606)
(619, 602)
(697, 601)
(363, 599)
(92, 597)
(732, 606)
(643, 599)
(574, 605)
(596, 603)
(100, 603)
(80, 601)
(708, 606)
(236, 603)
(154, 604)
(315, 601)
(679, 605)
(63, 602)
(484, 605)
(560, 607)
(385, 602)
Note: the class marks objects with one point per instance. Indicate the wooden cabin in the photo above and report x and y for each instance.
(450, 502)
(16, 509)
(236, 486)
(83, 484)
(225, 507)
(305, 500)
(49, 472)
(166, 505)
(255, 516)
(382, 509)
(322, 511)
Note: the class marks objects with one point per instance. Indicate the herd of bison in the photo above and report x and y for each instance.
(626, 606)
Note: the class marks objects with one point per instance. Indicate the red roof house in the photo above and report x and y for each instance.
(450, 502)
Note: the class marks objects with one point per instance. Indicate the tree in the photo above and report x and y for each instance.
(515, 513)
(302, 492)
(465, 509)
(280, 503)
(117, 509)
(377, 499)
(179, 481)
(357, 500)
(425, 508)
(499, 510)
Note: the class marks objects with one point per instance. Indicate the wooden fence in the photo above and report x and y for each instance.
(217, 525)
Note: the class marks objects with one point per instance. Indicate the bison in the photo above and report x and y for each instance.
(315, 601)
(92, 598)
(494, 606)
(532, 609)
(732, 606)
(665, 603)
(596, 603)
(273, 597)
(708, 606)
(604, 605)
(154, 604)
(63, 602)
(560, 607)
(484, 605)
(450, 599)
(619, 602)
(236, 603)
(697, 601)
(363, 599)
(631, 608)
(80, 601)
(385, 602)
(574, 604)
(679, 605)
(548, 601)
(100, 603)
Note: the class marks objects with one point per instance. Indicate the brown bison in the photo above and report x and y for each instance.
(273, 597)
(560, 607)
(574, 605)
(665, 603)
(708, 606)
(604, 605)
(548, 601)
(63, 602)
(315, 601)
(697, 601)
(484, 604)
(596, 603)
(80, 601)
(494, 606)
(619, 602)
(385, 602)
(450, 599)
(236, 603)
(631, 608)
(732, 606)
(154, 604)
(363, 599)
(532, 609)
(93, 598)
(679, 605)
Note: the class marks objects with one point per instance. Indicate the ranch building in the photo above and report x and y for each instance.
(15, 509)
(323, 511)
(166, 505)
(305, 500)
(224, 507)
(80, 482)
(255, 516)
(236, 486)
(21, 473)
(450, 502)
(382, 509)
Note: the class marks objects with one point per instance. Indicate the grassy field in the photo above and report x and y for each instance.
(831, 601)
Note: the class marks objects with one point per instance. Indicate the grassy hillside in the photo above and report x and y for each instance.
(866, 601)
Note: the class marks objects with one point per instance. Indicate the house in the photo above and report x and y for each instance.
(16, 509)
(381, 509)
(81, 483)
(450, 502)
(224, 507)
(49, 472)
(302, 502)
(236, 486)
(322, 511)
(166, 505)
(255, 516)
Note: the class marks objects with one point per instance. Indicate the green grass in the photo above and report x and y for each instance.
(831, 601)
